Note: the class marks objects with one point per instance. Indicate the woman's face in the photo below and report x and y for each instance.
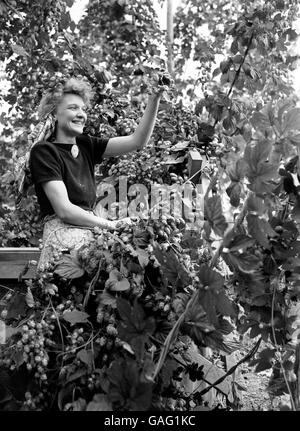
(71, 115)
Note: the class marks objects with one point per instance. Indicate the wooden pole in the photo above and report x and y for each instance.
(170, 36)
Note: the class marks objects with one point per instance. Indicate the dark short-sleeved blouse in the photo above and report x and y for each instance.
(54, 161)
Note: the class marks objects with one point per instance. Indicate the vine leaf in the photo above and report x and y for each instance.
(212, 296)
(245, 262)
(292, 120)
(215, 303)
(240, 242)
(210, 278)
(167, 370)
(260, 229)
(17, 306)
(213, 213)
(236, 171)
(196, 322)
(75, 316)
(224, 305)
(100, 403)
(69, 267)
(134, 326)
(126, 389)
(143, 257)
(86, 356)
(260, 171)
(256, 205)
(234, 193)
(260, 121)
(173, 271)
(116, 281)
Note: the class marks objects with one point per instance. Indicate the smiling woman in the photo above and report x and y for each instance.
(62, 161)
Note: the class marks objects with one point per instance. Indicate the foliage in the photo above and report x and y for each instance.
(109, 329)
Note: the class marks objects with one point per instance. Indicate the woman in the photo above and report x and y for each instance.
(62, 165)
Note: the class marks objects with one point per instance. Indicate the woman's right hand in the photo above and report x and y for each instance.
(127, 221)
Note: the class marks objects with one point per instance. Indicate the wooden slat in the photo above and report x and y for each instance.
(194, 165)
(14, 259)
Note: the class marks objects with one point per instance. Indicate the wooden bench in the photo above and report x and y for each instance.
(13, 260)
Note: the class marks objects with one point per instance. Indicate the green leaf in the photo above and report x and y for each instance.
(173, 271)
(234, 192)
(134, 327)
(234, 46)
(126, 390)
(240, 242)
(292, 120)
(75, 316)
(213, 213)
(17, 306)
(100, 403)
(260, 170)
(124, 309)
(224, 305)
(167, 371)
(256, 154)
(143, 257)
(69, 267)
(237, 170)
(284, 106)
(260, 230)
(116, 282)
(86, 356)
(255, 205)
(247, 263)
(196, 322)
(210, 278)
(121, 285)
(260, 121)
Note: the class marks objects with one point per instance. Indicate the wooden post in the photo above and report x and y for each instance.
(170, 36)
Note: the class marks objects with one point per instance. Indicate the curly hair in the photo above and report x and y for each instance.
(53, 97)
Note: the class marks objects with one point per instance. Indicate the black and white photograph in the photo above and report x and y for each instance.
(149, 209)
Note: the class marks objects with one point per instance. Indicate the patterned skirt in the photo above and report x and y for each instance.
(61, 237)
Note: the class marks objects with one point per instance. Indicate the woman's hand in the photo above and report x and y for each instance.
(127, 221)
(160, 82)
